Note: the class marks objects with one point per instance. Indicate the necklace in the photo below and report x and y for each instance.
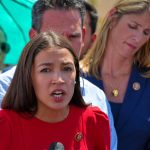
(115, 92)
(111, 90)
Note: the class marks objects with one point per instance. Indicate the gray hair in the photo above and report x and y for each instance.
(41, 6)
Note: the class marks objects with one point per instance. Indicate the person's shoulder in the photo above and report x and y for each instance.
(9, 118)
(8, 74)
(94, 114)
(5, 80)
(90, 87)
(93, 94)
(90, 112)
(142, 74)
(6, 114)
(6, 127)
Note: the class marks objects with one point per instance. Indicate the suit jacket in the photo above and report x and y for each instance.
(133, 123)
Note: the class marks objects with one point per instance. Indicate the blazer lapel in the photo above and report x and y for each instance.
(132, 98)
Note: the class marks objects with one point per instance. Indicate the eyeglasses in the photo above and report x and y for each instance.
(5, 47)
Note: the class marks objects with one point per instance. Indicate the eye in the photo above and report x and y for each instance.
(45, 70)
(68, 69)
(132, 26)
(147, 33)
(75, 35)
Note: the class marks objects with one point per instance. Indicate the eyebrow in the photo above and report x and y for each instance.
(137, 23)
(44, 64)
(140, 25)
(50, 64)
(67, 63)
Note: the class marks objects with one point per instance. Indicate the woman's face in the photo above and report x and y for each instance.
(130, 33)
(53, 76)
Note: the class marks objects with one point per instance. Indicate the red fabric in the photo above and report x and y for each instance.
(18, 133)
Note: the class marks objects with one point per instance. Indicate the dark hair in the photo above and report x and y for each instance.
(91, 10)
(41, 6)
(20, 95)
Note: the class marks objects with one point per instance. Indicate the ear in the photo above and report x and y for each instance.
(83, 35)
(94, 36)
(93, 39)
(112, 12)
(83, 32)
(112, 17)
(113, 23)
(32, 33)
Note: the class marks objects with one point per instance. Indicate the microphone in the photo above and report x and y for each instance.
(56, 146)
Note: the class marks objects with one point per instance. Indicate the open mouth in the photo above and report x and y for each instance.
(57, 94)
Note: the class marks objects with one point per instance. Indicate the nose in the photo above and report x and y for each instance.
(57, 78)
(139, 37)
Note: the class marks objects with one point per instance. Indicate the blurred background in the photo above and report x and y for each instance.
(102, 5)
(14, 26)
(15, 23)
